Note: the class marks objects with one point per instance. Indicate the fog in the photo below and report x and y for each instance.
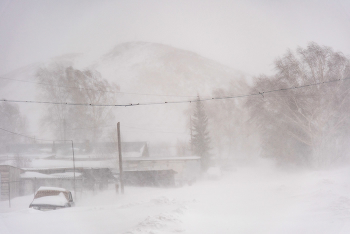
(234, 115)
(247, 35)
(250, 200)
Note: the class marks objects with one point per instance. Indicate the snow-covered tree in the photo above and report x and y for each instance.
(232, 136)
(11, 119)
(200, 139)
(305, 125)
(66, 84)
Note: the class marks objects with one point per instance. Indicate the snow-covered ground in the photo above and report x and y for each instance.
(251, 199)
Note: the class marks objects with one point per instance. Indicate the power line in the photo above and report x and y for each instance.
(30, 137)
(17, 133)
(104, 91)
(175, 102)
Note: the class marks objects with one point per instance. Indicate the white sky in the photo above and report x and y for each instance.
(246, 35)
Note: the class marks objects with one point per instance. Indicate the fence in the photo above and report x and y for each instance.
(12, 189)
(23, 187)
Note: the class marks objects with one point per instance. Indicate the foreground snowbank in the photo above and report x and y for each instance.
(253, 199)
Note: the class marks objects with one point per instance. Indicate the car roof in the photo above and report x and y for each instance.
(52, 189)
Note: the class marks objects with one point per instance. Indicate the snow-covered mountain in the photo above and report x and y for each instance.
(145, 72)
(161, 69)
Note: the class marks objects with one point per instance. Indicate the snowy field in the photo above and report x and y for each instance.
(251, 199)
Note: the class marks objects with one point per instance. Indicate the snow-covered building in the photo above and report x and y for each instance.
(33, 178)
(98, 168)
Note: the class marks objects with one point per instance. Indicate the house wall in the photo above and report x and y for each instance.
(186, 171)
(163, 178)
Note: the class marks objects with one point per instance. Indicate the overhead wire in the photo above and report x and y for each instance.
(160, 103)
(30, 137)
(175, 102)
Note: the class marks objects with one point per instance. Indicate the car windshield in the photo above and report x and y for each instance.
(44, 193)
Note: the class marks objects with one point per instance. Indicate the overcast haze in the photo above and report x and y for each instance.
(245, 35)
(222, 130)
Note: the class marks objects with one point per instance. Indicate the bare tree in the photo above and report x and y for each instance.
(11, 119)
(304, 125)
(231, 134)
(66, 84)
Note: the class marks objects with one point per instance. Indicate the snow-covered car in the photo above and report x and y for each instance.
(52, 198)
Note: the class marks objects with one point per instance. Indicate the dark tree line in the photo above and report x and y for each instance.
(200, 140)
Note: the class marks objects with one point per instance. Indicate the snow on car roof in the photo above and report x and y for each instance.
(53, 188)
(57, 200)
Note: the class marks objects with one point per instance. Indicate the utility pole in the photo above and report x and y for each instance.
(120, 160)
(34, 186)
(9, 188)
(64, 129)
(191, 135)
(54, 148)
(75, 192)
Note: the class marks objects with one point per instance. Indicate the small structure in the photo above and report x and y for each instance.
(150, 171)
(58, 177)
(161, 171)
(91, 178)
(158, 178)
(97, 178)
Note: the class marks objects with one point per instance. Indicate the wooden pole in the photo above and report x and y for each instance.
(9, 193)
(191, 135)
(34, 185)
(120, 160)
(64, 129)
(75, 192)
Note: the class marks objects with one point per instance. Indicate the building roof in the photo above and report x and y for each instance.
(65, 175)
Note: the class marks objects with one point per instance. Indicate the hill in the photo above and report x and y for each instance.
(145, 72)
